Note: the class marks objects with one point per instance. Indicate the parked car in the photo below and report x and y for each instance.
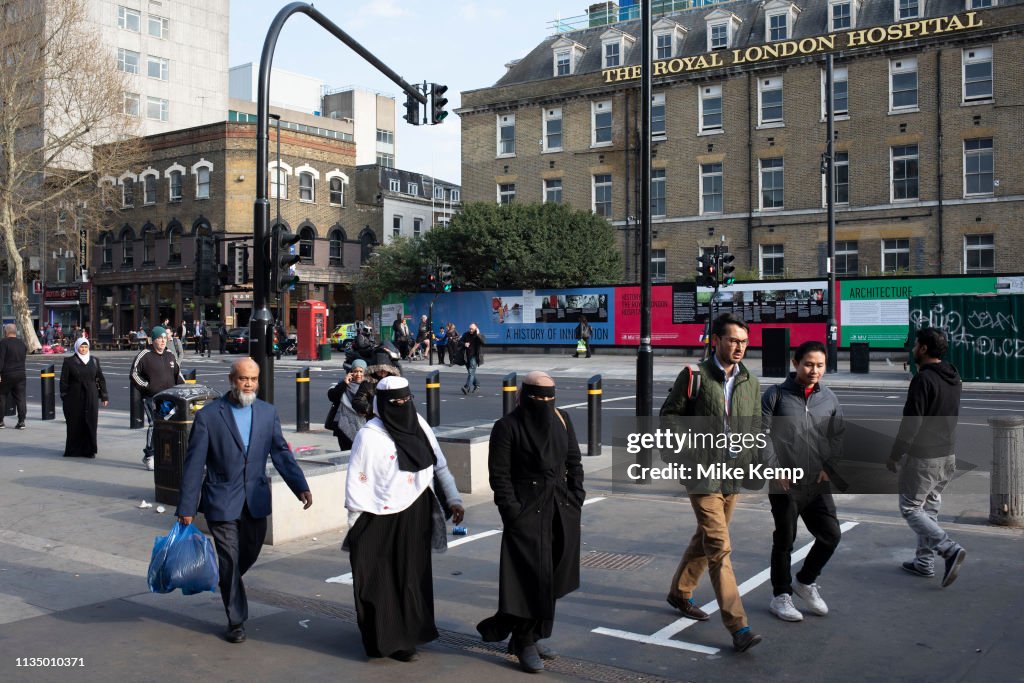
(342, 336)
(238, 340)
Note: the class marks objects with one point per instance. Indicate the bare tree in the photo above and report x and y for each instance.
(61, 95)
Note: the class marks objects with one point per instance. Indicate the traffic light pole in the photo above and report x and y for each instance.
(260, 324)
(645, 354)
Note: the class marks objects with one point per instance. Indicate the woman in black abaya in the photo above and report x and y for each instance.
(82, 390)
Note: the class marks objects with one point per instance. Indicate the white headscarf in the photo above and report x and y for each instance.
(78, 345)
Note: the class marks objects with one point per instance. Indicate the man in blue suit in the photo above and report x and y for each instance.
(231, 438)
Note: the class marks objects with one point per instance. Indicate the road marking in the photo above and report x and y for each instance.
(347, 578)
(607, 400)
(663, 636)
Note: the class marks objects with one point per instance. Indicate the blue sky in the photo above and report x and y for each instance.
(462, 44)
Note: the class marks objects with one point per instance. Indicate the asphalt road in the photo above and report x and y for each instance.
(878, 408)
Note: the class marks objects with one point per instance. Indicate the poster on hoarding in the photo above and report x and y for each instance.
(878, 311)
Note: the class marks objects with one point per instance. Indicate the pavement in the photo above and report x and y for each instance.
(74, 548)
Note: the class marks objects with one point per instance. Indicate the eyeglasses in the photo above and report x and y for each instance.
(733, 341)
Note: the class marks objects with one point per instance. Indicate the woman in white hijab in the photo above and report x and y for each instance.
(397, 480)
(82, 390)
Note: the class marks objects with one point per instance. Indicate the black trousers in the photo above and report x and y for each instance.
(813, 504)
(239, 543)
(12, 388)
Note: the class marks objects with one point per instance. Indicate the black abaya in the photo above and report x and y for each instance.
(392, 578)
(82, 389)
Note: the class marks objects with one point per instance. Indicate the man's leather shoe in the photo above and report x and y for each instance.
(529, 659)
(405, 655)
(235, 634)
(688, 609)
(743, 641)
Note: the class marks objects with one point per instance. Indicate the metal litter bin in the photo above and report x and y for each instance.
(325, 352)
(172, 421)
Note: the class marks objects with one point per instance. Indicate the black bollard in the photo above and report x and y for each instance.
(136, 413)
(46, 380)
(190, 376)
(302, 400)
(508, 393)
(594, 395)
(433, 398)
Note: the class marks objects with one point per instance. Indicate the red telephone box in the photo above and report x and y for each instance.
(312, 328)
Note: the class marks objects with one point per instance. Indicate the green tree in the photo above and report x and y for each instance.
(514, 246)
(394, 267)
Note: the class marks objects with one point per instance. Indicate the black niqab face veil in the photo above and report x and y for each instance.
(403, 425)
(547, 438)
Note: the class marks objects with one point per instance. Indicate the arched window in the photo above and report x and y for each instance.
(337, 244)
(150, 185)
(202, 183)
(337, 192)
(175, 180)
(367, 241)
(306, 238)
(127, 193)
(148, 244)
(107, 250)
(174, 231)
(127, 248)
(306, 187)
(278, 183)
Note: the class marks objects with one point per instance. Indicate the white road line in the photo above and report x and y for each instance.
(663, 636)
(347, 578)
(606, 400)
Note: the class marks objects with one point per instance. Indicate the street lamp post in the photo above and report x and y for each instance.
(645, 354)
(831, 329)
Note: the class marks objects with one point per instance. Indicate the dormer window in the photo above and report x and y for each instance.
(566, 55)
(779, 19)
(668, 38)
(722, 27)
(908, 9)
(842, 14)
(614, 44)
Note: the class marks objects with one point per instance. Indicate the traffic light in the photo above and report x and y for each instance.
(726, 271)
(447, 277)
(282, 259)
(412, 110)
(238, 264)
(205, 284)
(428, 279)
(706, 270)
(437, 103)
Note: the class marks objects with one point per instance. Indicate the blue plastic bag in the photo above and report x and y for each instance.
(184, 559)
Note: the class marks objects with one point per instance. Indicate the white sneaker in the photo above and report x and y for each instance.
(147, 460)
(782, 607)
(811, 597)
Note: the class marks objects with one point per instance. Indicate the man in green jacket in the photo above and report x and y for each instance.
(727, 391)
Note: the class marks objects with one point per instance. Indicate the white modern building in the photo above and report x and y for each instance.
(373, 120)
(175, 55)
(291, 91)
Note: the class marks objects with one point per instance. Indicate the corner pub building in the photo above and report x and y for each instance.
(928, 111)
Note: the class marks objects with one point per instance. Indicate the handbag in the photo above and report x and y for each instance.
(332, 417)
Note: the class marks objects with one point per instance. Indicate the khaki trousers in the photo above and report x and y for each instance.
(710, 549)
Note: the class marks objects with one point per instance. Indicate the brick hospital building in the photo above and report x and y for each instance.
(928, 125)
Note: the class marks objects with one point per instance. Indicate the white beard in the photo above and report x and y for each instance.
(244, 399)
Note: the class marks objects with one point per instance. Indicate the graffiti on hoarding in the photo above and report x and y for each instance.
(959, 334)
(985, 320)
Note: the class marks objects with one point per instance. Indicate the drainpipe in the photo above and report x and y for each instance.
(938, 151)
(750, 175)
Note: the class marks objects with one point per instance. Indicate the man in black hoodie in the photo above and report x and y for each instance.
(927, 438)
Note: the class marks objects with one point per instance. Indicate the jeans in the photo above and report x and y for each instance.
(471, 373)
(921, 483)
(813, 504)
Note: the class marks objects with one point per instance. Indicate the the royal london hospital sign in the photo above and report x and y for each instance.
(875, 35)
